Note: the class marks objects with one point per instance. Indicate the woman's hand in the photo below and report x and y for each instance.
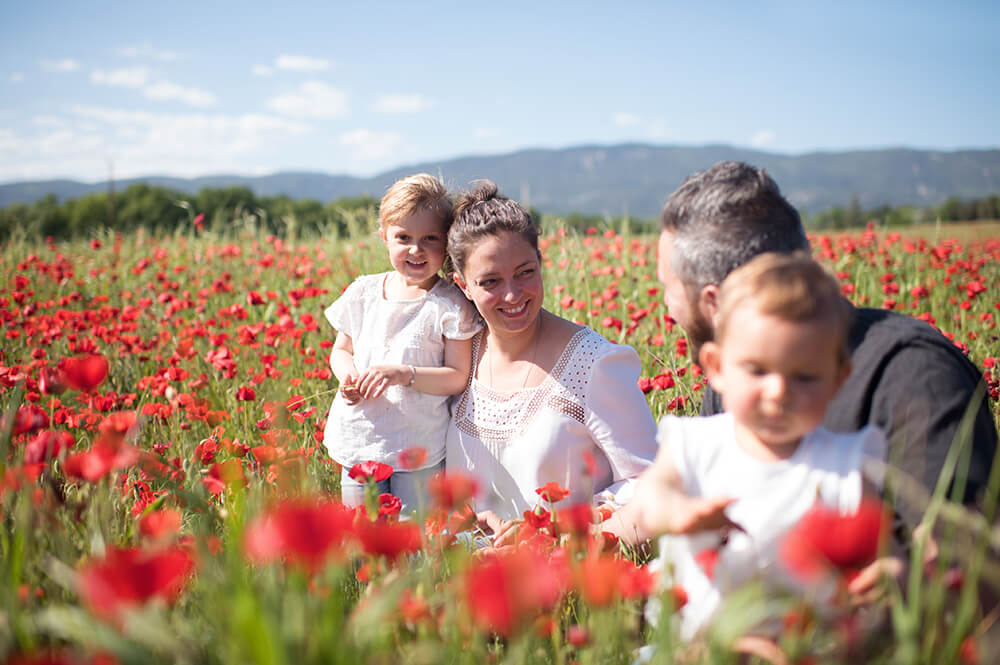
(377, 378)
(503, 532)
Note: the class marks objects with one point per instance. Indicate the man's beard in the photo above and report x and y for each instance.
(699, 331)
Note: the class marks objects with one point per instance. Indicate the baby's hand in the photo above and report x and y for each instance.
(693, 514)
(377, 378)
(349, 389)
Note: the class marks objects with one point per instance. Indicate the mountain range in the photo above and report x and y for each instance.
(630, 179)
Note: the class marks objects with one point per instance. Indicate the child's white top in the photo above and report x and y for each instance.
(515, 442)
(771, 498)
(406, 332)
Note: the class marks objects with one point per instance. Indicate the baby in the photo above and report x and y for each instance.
(726, 489)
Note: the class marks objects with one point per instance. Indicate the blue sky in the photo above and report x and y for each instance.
(197, 88)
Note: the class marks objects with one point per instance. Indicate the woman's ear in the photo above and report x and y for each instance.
(460, 283)
(710, 359)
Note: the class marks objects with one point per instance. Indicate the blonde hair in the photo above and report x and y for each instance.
(791, 287)
(413, 194)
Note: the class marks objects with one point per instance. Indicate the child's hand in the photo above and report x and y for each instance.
(865, 588)
(349, 389)
(377, 378)
(693, 514)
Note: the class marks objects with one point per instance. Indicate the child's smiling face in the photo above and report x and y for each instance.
(775, 376)
(416, 246)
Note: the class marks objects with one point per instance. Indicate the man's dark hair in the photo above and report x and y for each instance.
(724, 216)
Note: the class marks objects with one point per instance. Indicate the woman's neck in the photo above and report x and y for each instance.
(519, 345)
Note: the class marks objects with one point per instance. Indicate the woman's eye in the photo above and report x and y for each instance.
(487, 283)
(528, 272)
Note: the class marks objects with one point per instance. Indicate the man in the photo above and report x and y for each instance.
(907, 378)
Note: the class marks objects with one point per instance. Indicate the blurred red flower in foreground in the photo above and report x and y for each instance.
(388, 539)
(160, 524)
(824, 540)
(84, 373)
(452, 489)
(47, 445)
(308, 531)
(130, 577)
(370, 470)
(505, 590)
(413, 457)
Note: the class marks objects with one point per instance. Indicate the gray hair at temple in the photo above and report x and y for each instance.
(724, 216)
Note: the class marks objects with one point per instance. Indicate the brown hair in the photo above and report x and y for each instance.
(791, 287)
(414, 194)
(482, 212)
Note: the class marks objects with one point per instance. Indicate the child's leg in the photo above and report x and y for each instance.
(352, 493)
(411, 487)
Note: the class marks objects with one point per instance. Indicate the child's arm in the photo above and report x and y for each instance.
(660, 506)
(450, 379)
(342, 364)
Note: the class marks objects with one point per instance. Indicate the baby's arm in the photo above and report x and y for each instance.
(342, 364)
(450, 379)
(660, 506)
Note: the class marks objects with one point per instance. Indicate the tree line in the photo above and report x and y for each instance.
(163, 210)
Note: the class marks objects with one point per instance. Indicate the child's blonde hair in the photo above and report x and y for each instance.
(791, 287)
(414, 194)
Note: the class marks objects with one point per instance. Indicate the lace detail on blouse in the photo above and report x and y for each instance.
(496, 417)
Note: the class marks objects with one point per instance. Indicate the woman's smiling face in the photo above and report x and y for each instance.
(502, 277)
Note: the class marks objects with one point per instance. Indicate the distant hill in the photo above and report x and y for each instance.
(632, 178)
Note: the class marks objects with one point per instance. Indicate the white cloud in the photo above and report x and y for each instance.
(16, 77)
(301, 63)
(146, 50)
(314, 99)
(485, 132)
(132, 77)
(369, 145)
(410, 103)
(625, 119)
(262, 70)
(48, 121)
(64, 65)
(658, 128)
(762, 138)
(167, 91)
(141, 143)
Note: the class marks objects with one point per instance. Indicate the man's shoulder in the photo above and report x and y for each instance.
(878, 332)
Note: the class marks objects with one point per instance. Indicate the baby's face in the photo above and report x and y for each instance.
(776, 376)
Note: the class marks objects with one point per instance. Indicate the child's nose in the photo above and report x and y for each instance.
(776, 387)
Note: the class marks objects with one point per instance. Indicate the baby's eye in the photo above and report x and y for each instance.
(806, 378)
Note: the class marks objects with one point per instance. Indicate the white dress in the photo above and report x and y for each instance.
(407, 332)
(771, 498)
(515, 442)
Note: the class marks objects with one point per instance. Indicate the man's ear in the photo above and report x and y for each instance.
(710, 359)
(708, 303)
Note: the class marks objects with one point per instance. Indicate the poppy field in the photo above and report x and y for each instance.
(166, 496)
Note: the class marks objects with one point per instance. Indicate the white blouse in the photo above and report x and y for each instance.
(515, 442)
(406, 332)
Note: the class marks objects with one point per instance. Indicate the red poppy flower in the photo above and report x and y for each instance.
(539, 518)
(824, 540)
(504, 591)
(451, 489)
(29, 419)
(370, 470)
(51, 381)
(99, 460)
(127, 578)
(708, 558)
(246, 394)
(160, 524)
(308, 531)
(552, 492)
(86, 372)
(576, 519)
(223, 474)
(413, 457)
(47, 445)
(388, 539)
(389, 505)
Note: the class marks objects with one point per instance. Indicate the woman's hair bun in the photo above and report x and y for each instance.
(482, 190)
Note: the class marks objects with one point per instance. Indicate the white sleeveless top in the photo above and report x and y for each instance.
(515, 442)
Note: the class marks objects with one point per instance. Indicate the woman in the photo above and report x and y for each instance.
(547, 400)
